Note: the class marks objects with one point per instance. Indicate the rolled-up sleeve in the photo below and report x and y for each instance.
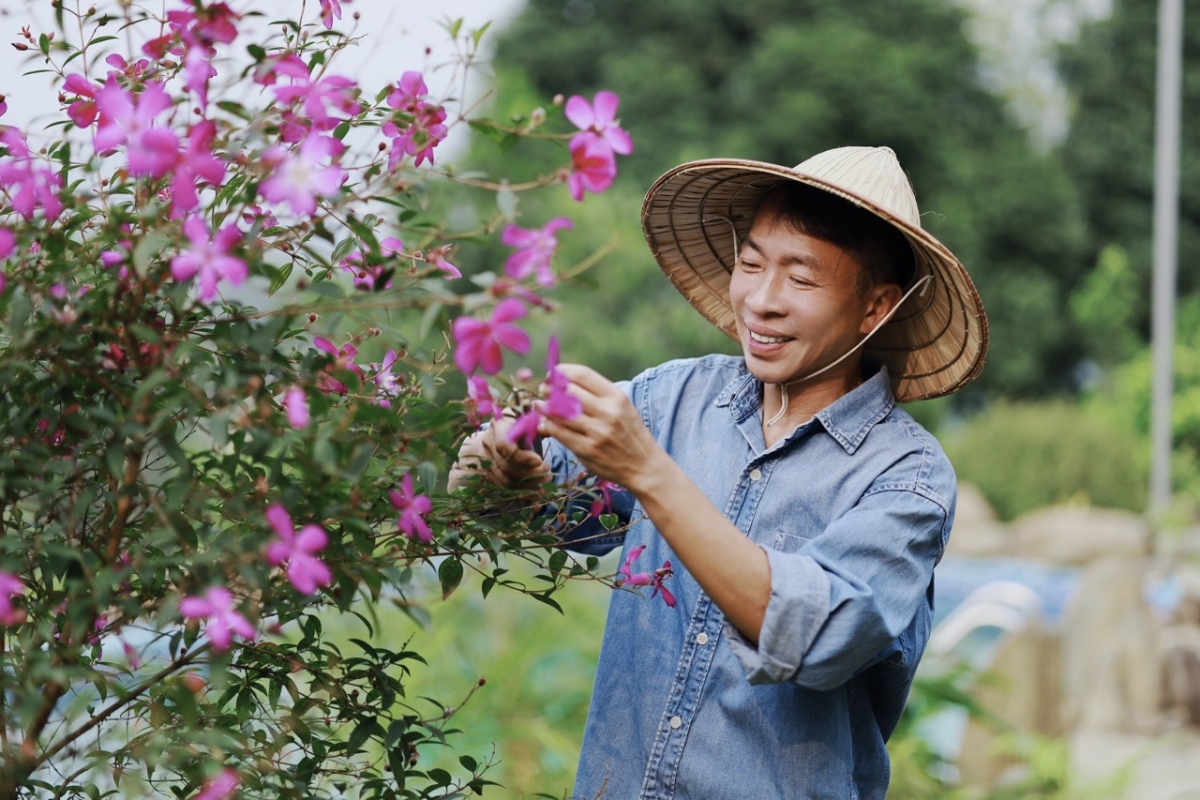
(848, 592)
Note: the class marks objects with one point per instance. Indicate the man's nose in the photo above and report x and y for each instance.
(765, 296)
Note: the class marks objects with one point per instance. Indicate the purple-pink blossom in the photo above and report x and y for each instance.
(481, 404)
(305, 571)
(197, 164)
(224, 622)
(318, 98)
(295, 403)
(28, 184)
(221, 786)
(412, 508)
(8, 243)
(209, 257)
(83, 111)
(599, 120)
(525, 430)
(535, 250)
(387, 383)
(559, 400)
(630, 578)
(343, 359)
(419, 126)
(132, 121)
(436, 256)
(299, 177)
(331, 10)
(593, 166)
(372, 278)
(478, 343)
(603, 503)
(10, 587)
(287, 64)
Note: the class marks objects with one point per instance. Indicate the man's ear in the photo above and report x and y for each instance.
(881, 299)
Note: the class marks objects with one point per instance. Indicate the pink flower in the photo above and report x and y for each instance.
(603, 503)
(536, 248)
(152, 149)
(223, 621)
(135, 72)
(221, 786)
(413, 509)
(206, 25)
(631, 578)
(287, 64)
(10, 587)
(300, 177)
(481, 405)
(3, 106)
(524, 431)
(29, 185)
(387, 383)
(478, 343)
(372, 278)
(295, 403)
(436, 256)
(318, 97)
(197, 164)
(132, 657)
(330, 10)
(343, 359)
(304, 570)
(560, 402)
(209, 257)
(419, 126)
(198, 71)
(599, 120)
(593, 166)
(83, 111)
(8, 243)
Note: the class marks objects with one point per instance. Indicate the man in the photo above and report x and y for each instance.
(803, 511)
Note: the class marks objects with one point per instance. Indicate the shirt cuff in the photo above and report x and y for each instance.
(798, 606)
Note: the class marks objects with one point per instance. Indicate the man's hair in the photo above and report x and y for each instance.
(880, 249)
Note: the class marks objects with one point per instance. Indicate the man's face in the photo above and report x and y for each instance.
(797, 302)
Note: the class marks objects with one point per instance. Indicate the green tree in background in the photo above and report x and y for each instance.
(778, 81)
(1109, 152)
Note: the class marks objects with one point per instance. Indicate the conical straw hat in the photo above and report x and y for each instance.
(936, 342)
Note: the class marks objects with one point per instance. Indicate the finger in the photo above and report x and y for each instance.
(587, 378)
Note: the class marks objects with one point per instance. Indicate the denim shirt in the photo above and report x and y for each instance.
(853, 509)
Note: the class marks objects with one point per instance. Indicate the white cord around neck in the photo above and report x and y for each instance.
(783, 387)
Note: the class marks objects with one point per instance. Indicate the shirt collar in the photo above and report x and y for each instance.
(848, 419)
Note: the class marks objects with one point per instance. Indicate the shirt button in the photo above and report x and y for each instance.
(756, 474)
(676, 722)
(702, 638)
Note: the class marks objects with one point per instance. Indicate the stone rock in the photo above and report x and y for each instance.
(1078, 535)
(1110, 645)
(976, 531)
(1181, 674)
(1023, 689)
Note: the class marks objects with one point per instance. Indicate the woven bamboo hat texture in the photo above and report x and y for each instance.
(936, 342)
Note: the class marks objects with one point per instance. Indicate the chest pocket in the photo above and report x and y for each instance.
(785, 542)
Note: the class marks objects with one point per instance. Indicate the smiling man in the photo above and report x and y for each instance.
(802, 511)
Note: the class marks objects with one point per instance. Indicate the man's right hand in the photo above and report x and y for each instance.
(490, 455)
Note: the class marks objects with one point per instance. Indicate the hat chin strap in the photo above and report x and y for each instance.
(921, 284)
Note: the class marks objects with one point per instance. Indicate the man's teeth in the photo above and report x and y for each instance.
(767, 339)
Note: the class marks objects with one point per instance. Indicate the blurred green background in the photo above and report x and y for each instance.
(1027, 131)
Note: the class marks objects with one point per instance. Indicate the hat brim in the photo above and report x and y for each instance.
(934, 345)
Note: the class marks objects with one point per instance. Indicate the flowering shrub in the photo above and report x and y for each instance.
(200, 461)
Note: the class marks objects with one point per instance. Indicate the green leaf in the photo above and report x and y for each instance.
(558, 559)
(450, 573)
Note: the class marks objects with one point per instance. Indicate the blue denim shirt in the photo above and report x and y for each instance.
(853, 509)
